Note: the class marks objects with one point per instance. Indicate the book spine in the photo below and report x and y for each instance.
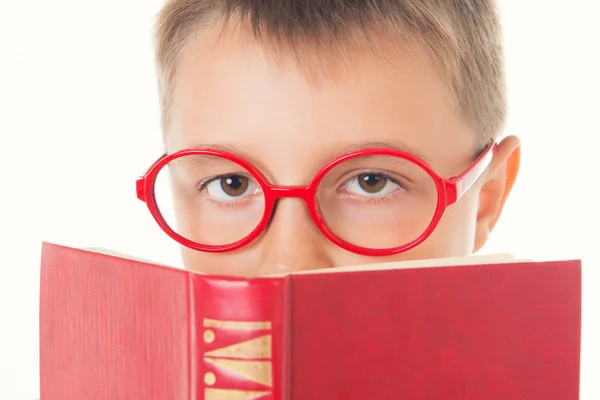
(239, 339)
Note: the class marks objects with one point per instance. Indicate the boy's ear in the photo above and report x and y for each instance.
(496, 186)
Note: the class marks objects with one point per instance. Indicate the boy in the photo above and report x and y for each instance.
(304, 134)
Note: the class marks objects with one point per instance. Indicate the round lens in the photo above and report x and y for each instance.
(209, 200)
(377, 202)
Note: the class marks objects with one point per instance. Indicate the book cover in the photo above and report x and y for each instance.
(113, 327)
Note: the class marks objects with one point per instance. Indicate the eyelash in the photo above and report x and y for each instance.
(225, 204)
(375, 200)
(201, 186)
(378, 200)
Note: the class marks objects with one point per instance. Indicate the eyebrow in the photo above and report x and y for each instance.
(329, 155)
(225, 147)
(392, 145)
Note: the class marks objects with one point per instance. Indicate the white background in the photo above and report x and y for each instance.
(79, 122)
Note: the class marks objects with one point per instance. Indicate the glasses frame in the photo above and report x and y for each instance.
(449, 190)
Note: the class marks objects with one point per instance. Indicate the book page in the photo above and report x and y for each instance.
(426, 263)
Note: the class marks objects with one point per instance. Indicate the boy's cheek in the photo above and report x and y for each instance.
(453, 237)
(456, 231)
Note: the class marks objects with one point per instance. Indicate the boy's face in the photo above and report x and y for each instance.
(232, 93)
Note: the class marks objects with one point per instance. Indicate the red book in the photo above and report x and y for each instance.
(114, 328)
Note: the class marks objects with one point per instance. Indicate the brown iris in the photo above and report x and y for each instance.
(372, 183)
(234, 185)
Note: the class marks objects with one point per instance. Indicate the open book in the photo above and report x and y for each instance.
(482, 327)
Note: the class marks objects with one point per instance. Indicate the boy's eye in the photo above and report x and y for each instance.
(372, 184)
(230, 186)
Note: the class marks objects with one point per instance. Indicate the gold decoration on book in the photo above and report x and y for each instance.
(210, 378)
(255, 371)
(209, 336)
(242, 325)
(248, 359)
(251, 349)
(227, 394)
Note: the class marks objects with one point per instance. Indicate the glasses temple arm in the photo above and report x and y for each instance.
(466, 180)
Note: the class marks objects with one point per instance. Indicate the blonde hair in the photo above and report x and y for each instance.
(462, 37)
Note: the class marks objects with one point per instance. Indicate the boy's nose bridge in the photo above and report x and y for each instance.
(291, 223)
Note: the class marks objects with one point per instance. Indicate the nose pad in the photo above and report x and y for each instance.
(292, 242)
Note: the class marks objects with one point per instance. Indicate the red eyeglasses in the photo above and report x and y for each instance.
(372, 202)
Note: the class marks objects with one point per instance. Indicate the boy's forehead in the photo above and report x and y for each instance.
(320, 60)
(232, 90)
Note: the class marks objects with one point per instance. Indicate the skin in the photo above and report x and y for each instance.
(234, 93)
